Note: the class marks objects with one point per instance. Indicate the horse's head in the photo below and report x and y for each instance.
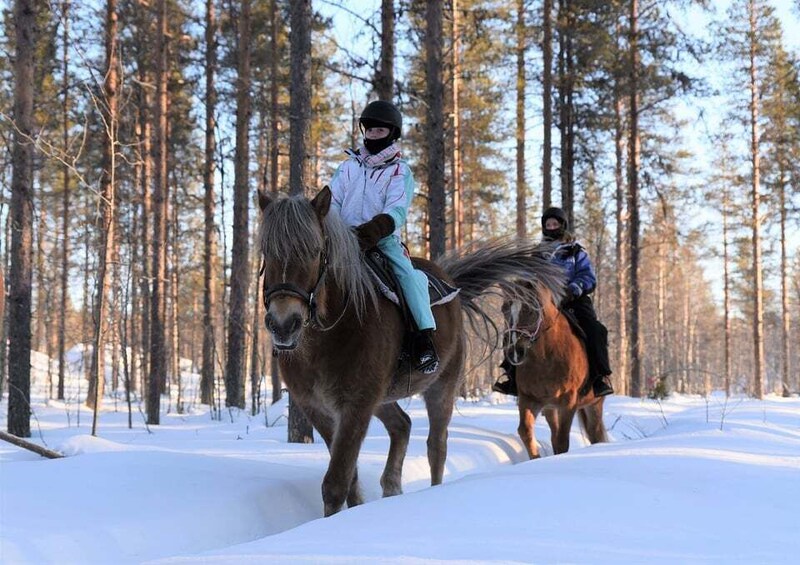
(294, 254)
(523, 317)
(303, 248)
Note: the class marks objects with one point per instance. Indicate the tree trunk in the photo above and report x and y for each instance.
(255, 374)
(661, 299)
(240, 252)
(41, 285)
(547, 105)
(209, 207)
(758, 283)
(158, 345)
(633, 205)
(175, 326)
(65, 187)
(566, 108)
(785, 312)
(621, 273)
(300, 430)
(726, 290)
(455, 163)
(274, 161)
(145, 143)
(107, 211)
(522, 229)
(434, 94)
(21, 215)
(384, 82)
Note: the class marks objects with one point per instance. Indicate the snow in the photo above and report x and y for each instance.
(684, 480)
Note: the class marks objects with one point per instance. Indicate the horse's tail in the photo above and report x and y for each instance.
(501, 266)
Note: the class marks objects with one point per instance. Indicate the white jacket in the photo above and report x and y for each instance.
(367, 185)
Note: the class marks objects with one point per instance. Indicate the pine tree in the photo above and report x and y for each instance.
(300, 430)
(158, 345)
(434, 126)
(240, 265)
(109, 104)
(209, 201)
(19, 356)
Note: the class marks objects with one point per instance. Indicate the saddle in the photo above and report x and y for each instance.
(439, 291)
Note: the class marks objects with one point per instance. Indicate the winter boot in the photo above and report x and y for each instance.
(427, 358)
(602, 387)
(507, 383)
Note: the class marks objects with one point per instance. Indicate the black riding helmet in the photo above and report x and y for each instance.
(381, 113)
(561, 216)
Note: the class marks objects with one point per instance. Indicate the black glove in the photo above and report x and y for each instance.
(371, 232)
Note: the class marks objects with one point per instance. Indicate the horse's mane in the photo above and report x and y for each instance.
(290, 231)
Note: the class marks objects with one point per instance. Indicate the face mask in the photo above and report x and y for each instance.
(553, 235)
(375, 146)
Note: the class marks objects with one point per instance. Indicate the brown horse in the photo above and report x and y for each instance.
(339, 344)
(551, 370)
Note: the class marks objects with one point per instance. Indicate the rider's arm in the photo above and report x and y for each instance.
(583, 276)
(399, 194)
(337, 186)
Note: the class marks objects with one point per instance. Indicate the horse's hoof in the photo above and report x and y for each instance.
(331, 509)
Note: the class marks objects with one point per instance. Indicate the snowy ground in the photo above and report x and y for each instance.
(682, 481)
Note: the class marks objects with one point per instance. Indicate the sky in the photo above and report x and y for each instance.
(686, 480)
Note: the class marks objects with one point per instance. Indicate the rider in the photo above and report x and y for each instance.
(581, 282)
(372, 191)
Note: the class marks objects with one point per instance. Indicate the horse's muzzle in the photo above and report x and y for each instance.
(285, 333)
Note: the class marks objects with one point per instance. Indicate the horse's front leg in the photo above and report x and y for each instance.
(342, 477)
(528, 410)
(325, 426)
(559, 434)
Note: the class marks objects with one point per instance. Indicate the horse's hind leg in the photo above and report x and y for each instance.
(398, 425)
(591, 418)
(439, 399)
(528, 410)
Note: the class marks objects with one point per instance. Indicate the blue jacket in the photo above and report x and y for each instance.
(575, 262)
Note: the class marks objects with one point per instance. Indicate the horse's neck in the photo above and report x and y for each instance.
(340, 312)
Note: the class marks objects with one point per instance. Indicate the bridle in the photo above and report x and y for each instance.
(309, 298)
(531, 335)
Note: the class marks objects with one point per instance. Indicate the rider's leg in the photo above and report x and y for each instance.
(596, 344)
(507, 383)
(414, 285)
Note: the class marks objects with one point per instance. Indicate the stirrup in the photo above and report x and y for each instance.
(428, 363)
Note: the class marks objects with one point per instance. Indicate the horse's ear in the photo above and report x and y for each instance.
(264, 199)
(322, 202)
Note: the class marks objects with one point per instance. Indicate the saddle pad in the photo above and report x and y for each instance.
(439, 291)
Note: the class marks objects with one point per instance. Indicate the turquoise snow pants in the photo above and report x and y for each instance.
(413, 282)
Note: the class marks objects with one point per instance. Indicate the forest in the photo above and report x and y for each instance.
(136, 134)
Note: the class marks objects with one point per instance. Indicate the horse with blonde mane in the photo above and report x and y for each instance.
(338, 342)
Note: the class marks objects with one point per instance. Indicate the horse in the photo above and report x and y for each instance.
(551, 370)
(338, 342)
